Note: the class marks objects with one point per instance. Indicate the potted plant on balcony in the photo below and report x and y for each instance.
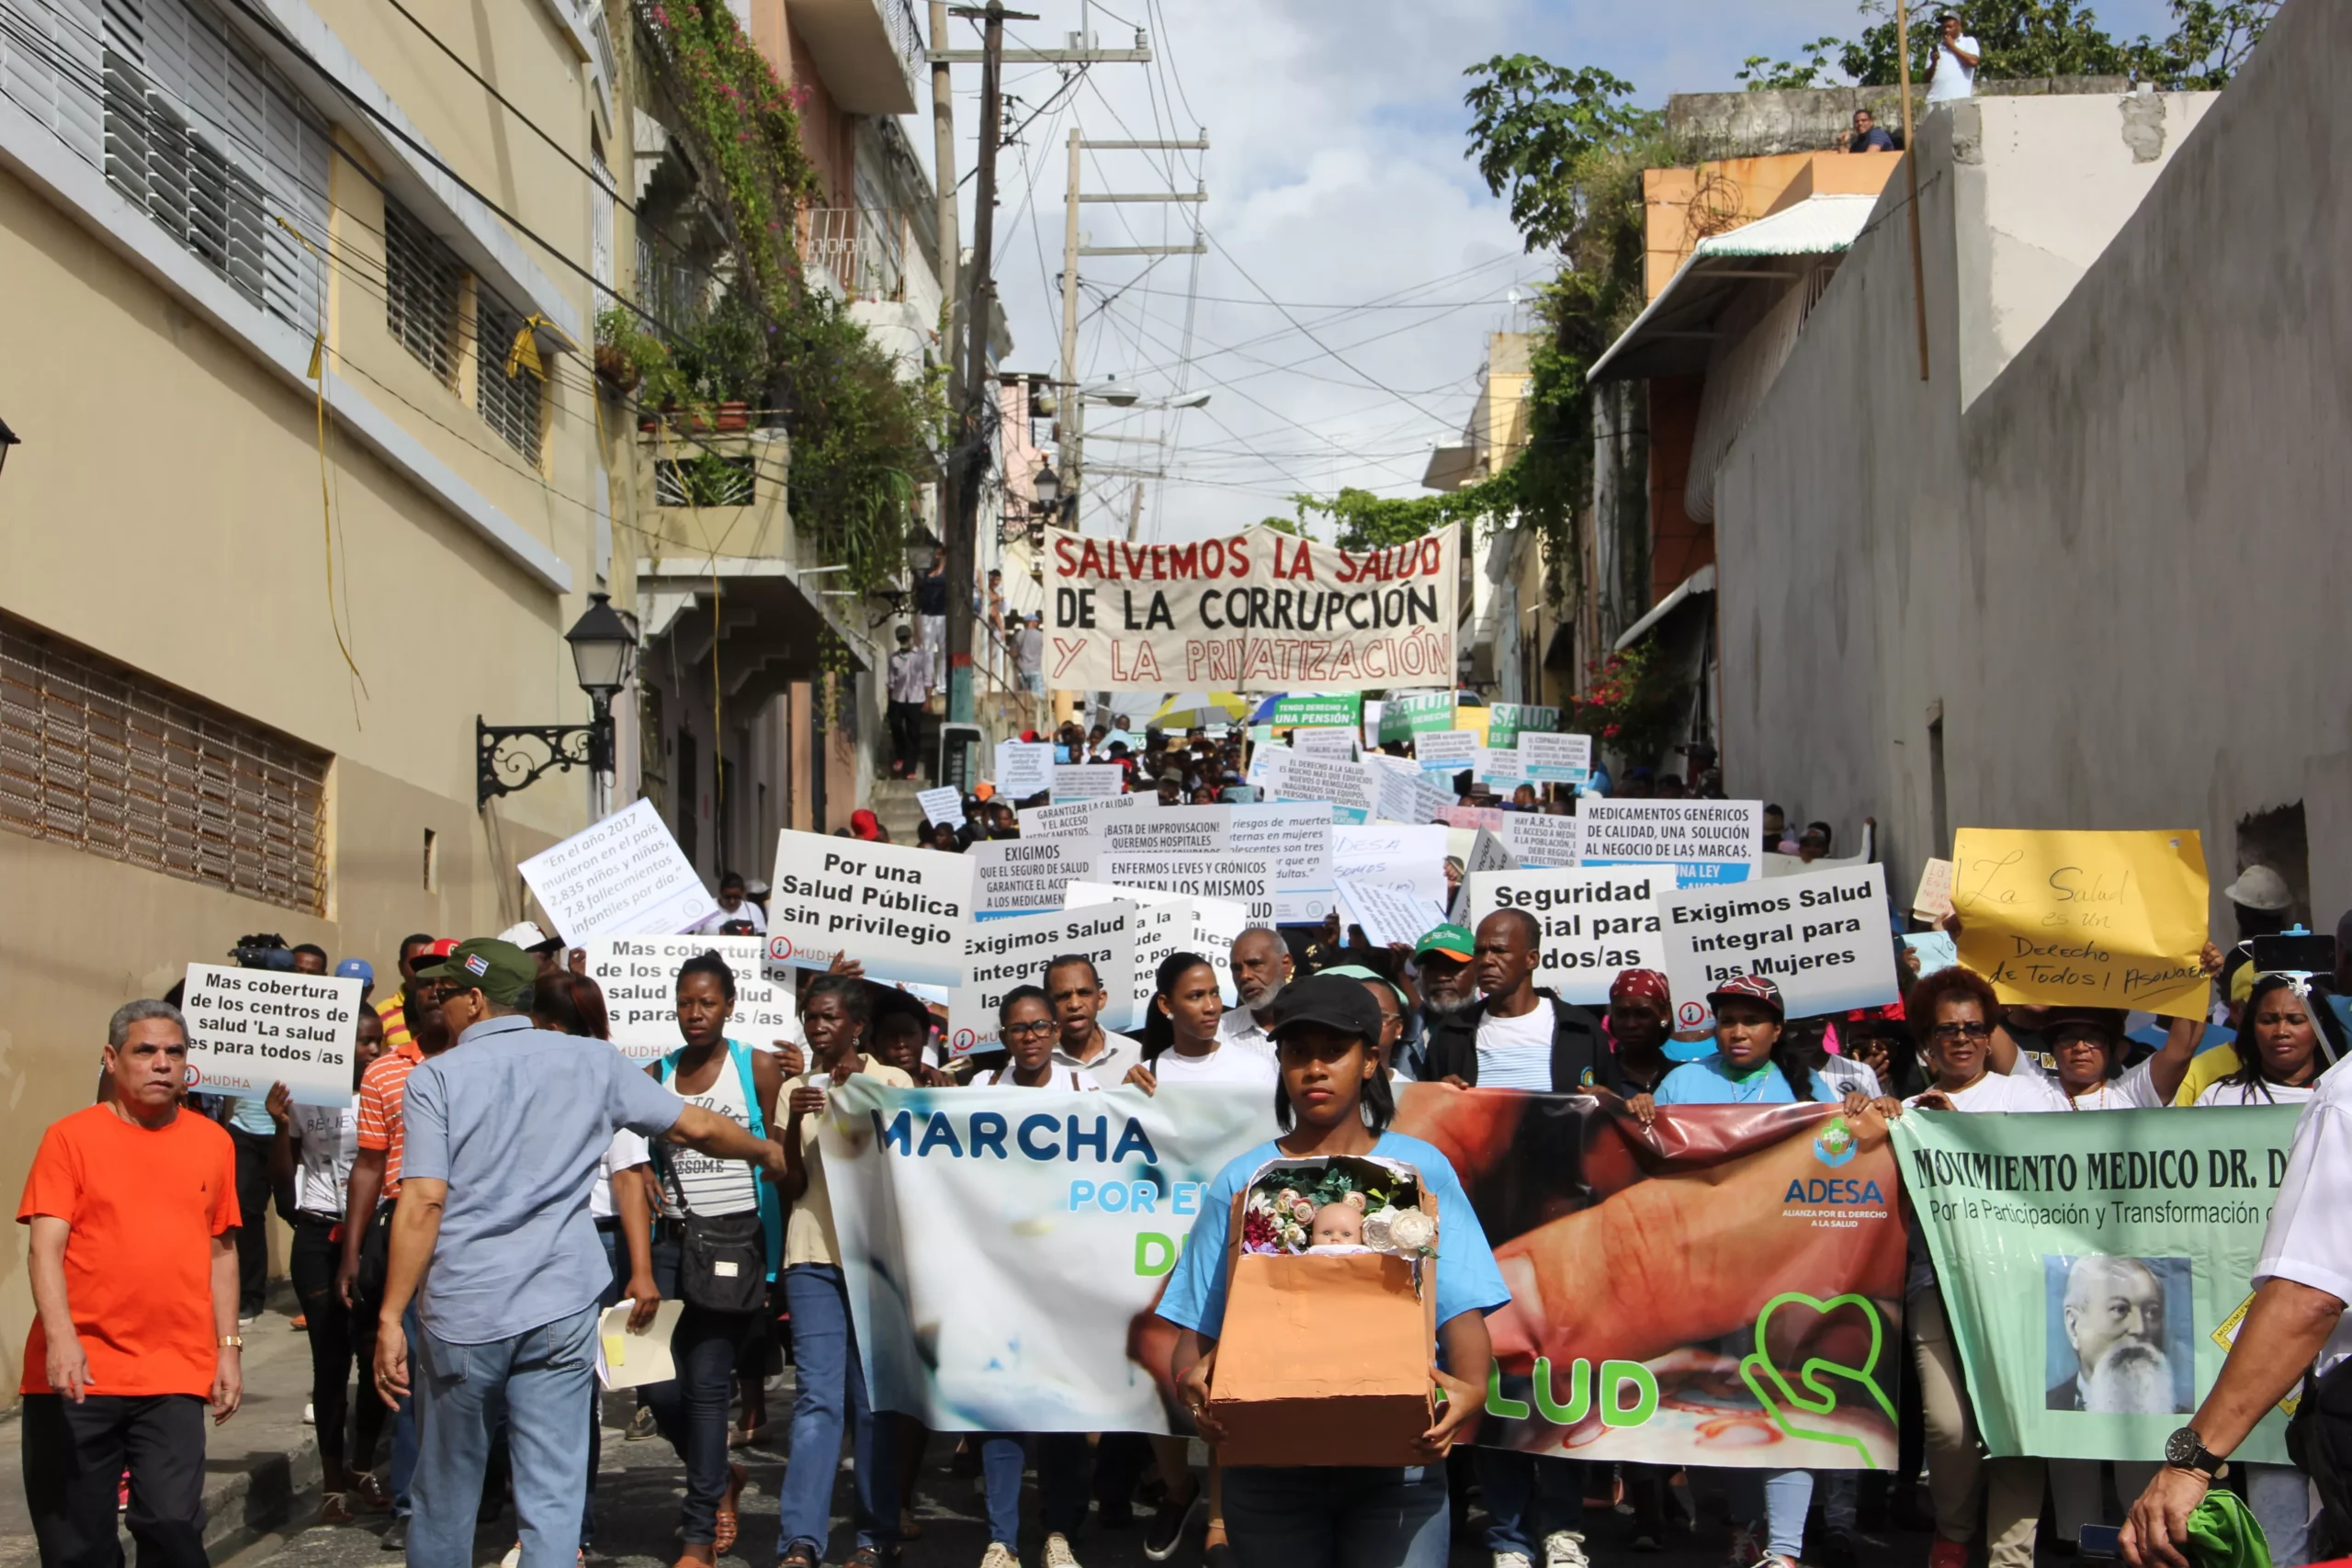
(630, 359)
(726, 358)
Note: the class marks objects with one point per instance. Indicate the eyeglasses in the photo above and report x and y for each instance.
(1029, 1031)
(1962, 1031)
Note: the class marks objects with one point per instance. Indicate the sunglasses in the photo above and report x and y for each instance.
(1963, 1030)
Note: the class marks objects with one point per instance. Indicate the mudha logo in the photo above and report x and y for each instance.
(1835, 1144)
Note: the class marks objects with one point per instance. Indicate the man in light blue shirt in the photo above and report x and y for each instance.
(503, 1136)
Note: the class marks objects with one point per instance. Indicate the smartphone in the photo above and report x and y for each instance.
(2101, 1542)
(2310, 952)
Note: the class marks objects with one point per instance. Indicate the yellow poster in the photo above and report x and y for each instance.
(2098, 920)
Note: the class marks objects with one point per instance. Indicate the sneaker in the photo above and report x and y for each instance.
(1166, 1530)
(1947, 1553)
(1512, 1560)
(1745, 1548)
(1645, 1539)
(369, 1493)
(1565, 1549)
(1000, 1555)
(640, 1424)
(1056, 1553)
(335, 1508)
(514, 1558)
(309, 1415)
(298, 1322)
(396, 1534)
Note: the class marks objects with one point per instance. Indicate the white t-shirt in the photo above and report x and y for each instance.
(2308, 1241)
(330, 1135)
(626, 1152)
(1996, 1092)
(2226, 1093)
(2135, 1090)
(1516, 1053)
(721, 917)
(1228, 1063)
(1952, 79)
(1843, 1073)
(1071, 1078)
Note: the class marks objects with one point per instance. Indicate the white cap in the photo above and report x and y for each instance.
(525, 934)
(2258, 887)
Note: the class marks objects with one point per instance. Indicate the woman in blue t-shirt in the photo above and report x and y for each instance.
(1333, 1099)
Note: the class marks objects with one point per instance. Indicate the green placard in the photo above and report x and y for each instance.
(1413, 713)
(2045, 1229)
(1508, 718)
(1336, 710)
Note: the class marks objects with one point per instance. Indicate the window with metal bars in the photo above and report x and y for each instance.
(99, 756)
(511, 403)
(421, 280)
(203, 134)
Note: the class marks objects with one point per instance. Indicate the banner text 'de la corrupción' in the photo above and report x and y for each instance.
(1254, 611)
(1772, 1252)
(2043, 1228)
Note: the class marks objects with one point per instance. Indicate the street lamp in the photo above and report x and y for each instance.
(922, 550)
(603, 648)
(1047, 487)
(8, 438)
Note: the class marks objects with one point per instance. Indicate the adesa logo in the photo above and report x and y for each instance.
(1834, 1189)
(1835, 1144)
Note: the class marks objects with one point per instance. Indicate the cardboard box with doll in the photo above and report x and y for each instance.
(1330, 1316)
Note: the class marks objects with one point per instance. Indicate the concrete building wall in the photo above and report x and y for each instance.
(2112, 582)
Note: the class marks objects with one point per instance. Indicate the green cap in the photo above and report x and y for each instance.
(1455, 941)
(499, 970)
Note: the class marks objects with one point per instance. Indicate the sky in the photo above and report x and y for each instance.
(1355, 261)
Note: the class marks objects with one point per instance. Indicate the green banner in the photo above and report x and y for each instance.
(1509, 718)
(1415, 713)
(1342, 710)
(2096, 1267)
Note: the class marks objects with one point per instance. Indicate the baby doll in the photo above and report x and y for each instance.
(1338, 1228)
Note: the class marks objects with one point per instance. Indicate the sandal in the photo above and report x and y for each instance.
(371, 1495)
(729, 1524)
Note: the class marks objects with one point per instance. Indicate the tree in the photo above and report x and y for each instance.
(2026, 39)
(1535, 125)
(1763, 74)
(2209, 40)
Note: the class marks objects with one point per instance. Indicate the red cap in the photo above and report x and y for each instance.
(864, 824)
(1750, 989)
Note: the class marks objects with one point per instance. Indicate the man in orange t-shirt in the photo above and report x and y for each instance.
(132, 1205)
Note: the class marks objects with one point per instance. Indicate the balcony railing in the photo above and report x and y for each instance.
(864, 248)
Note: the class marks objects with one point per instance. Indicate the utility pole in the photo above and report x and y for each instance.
(970, 466)
(942, 146)
(1911, 173)
(1073, 398)
(1134, 512)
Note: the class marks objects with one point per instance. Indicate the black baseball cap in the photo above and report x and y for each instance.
(1331, 1000)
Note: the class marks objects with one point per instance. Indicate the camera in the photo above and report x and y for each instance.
(262, 950)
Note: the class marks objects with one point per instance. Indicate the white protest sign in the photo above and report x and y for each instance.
(1498, 767)
(1324, 740)
(941, 804)
(1387, 855)
(1001, 954)
(1446, 751)
(1932, 902)
(1398, 797)
(900, 911)
(1244, 881)
(1479, 850)
(623, 876)
(1707, 842)
(1023, 767)
(639, 978)
(1372, 706)
(1348, 786)
(1207, 926)
(1431, 801)
(1538, 839)
(1088, 781)
(1078, 817)
(1774, 864)
(248, 1029)
(1554, 759)
(1298, 837)
(1593, 923)
(1389, 915)
(1822, 937)
(1026, 877)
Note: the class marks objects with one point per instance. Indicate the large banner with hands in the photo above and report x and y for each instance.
(1720, 1290)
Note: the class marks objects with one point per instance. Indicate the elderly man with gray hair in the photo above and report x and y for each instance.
(2114, 1314)
(132, 1206)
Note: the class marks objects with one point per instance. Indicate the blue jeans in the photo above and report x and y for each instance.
(404, 1427)
(691, 1408)
(617, 1257)
(1528, 1497)
(831, 1394)
(1337, 1517)
(1061, 1484)
(540, 1383)
(1781, 1498)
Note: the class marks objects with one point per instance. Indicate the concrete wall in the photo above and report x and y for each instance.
(2116, 577)
(1809, 119)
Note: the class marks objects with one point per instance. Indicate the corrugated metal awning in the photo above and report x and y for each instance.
(1700, 582)
(1675, 334)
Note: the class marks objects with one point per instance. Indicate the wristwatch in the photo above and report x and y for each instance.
(2185, 1450)
(232, 1342)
